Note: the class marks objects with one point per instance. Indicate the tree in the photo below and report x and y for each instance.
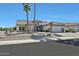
(14, 28)
(0, 28)
(27, 9)
(50, 24)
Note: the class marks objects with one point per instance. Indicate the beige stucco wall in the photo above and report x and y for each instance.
(46, 27)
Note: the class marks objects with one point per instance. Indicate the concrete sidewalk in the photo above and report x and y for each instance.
(9, 42)
(18, 41)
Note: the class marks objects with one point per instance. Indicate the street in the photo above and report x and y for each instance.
(50, 48)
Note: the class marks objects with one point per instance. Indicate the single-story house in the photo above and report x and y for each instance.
(21, 25)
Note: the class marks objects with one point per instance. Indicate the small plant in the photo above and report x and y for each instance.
(48, 35)
(73, 31)
(47, 30)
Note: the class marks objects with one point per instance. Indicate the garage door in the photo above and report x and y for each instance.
(57, 29)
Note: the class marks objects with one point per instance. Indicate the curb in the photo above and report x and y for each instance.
(64, 38)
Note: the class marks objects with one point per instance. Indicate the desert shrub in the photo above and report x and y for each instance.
(48, 34)
(70, 30)
(45, 30)
(66, 30)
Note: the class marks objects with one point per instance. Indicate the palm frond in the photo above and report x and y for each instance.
(26, 7)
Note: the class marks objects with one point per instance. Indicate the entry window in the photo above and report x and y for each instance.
(21, 28)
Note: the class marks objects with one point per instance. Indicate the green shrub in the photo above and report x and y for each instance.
(45, 30)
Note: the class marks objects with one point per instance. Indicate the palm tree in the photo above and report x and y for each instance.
(27, 9)
(51, 24)
(34, 16)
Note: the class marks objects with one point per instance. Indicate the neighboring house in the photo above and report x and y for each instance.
(74, 26)
(66, 26)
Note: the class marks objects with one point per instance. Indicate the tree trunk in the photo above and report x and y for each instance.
(27, 23)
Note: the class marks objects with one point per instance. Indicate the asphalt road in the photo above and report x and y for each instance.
(50, 48)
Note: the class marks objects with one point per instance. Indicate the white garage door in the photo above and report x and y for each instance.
(57, 29)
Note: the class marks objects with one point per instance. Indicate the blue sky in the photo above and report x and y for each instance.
(11, 12)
